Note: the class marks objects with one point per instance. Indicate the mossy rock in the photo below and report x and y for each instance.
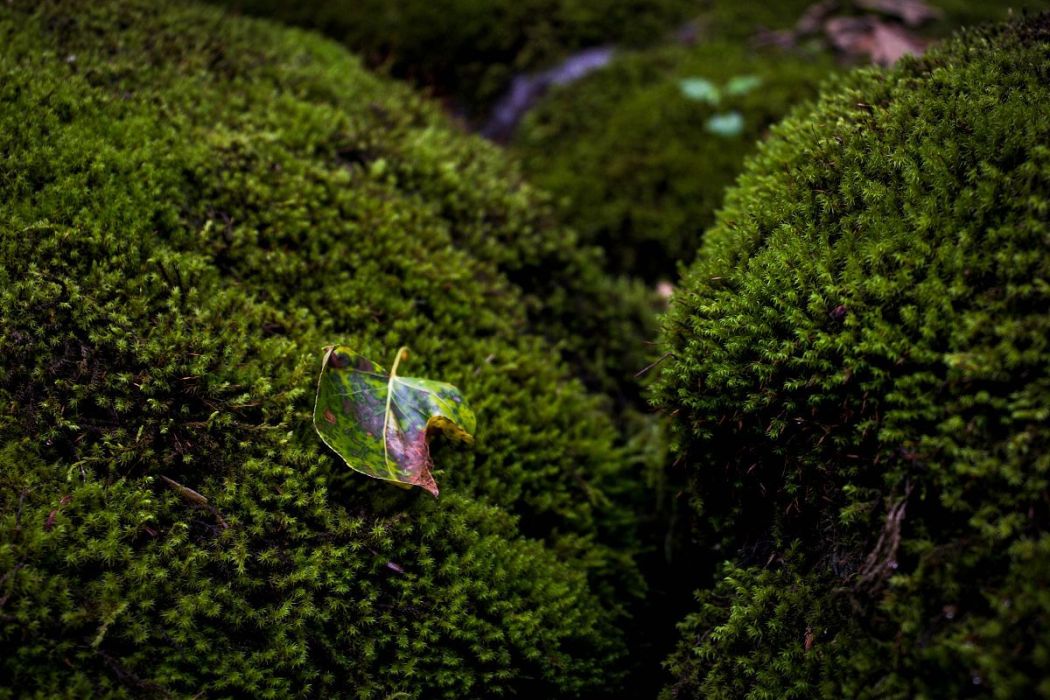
(194, 206)
(860, 376)
(471, 49)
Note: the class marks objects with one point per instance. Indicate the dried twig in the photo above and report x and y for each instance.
(882, 560)
(195, 499)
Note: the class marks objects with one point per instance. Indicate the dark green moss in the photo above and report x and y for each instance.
(470, 49)
(968, 13)
(193, 207)
(861, 388)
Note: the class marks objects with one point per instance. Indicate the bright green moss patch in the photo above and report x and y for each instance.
(193, 207)
(861, 388)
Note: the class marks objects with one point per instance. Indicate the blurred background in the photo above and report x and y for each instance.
(635, 114)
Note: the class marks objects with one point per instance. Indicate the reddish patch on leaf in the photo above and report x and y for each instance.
(51, 518)
(329, 416)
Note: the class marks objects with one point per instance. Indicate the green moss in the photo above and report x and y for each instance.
(633, 156)
(760, 633)
(471, 49)
(966, 13)
(193, 207)
(860, 383)
(739, 21)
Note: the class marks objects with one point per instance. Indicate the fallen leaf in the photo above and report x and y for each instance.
(380, 423)
(890, 43)
(879, 41)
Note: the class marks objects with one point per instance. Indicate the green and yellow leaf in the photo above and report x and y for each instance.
(379, 423)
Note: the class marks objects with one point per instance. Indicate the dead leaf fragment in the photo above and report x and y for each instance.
(870, 37)
(912, 12)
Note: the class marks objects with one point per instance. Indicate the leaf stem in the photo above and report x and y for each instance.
(402, 352)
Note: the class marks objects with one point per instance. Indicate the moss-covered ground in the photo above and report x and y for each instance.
(841, 490)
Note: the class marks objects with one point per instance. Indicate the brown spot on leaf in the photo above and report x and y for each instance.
(329, 416)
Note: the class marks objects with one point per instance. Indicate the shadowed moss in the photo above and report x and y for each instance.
(471, 49)
(193, 207)
(861, 389)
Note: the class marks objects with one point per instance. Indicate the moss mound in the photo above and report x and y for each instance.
(470, 49)
(193, 208)
(861, 379)
(635, 158)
